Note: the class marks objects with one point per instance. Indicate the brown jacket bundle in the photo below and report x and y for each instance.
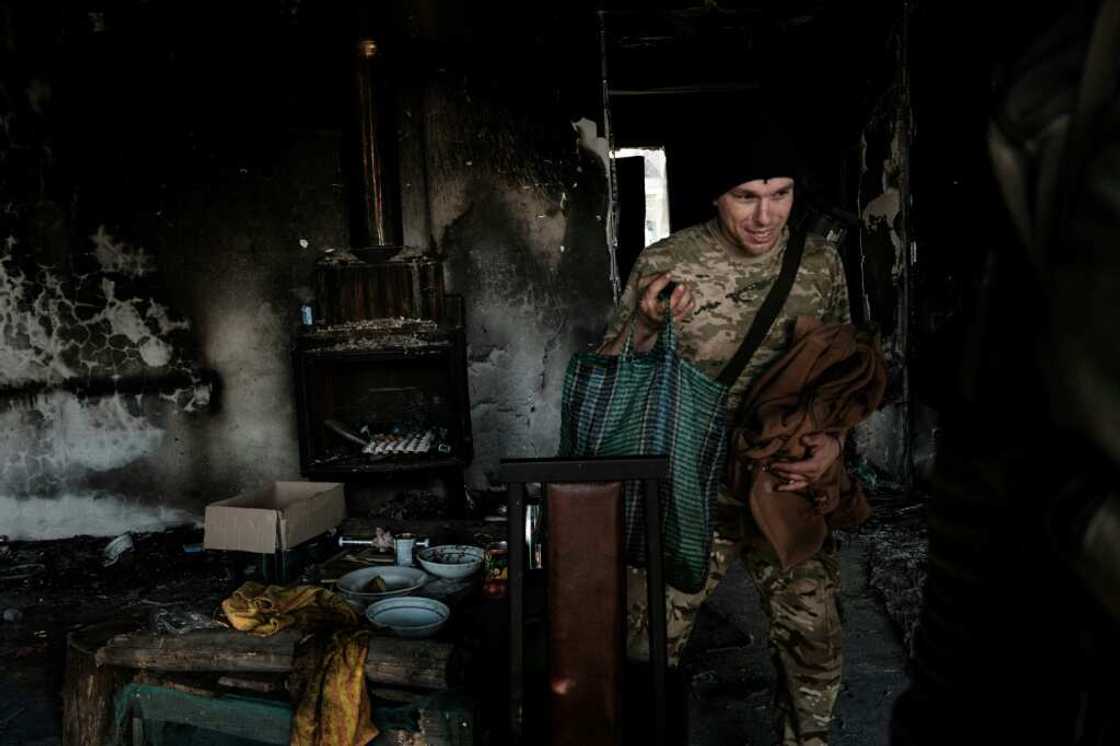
(832, 377)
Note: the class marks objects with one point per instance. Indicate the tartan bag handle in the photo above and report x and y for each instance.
(667, 339)
(768, 312)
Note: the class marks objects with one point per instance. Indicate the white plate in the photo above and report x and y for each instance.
(411, 617)
(398, 581)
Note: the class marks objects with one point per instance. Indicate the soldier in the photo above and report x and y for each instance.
(1019, 633)
(722, 270)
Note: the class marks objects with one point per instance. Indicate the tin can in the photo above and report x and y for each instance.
(403, 546)
(497, 570)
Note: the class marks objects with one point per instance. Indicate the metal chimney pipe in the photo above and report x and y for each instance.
(376, 218)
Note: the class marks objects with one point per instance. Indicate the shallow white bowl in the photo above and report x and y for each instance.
(409, 616)
(451, 560)
(398, 582)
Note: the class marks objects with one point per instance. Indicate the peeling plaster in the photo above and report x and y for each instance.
(99, 435)
(882, 212)
(55, 438)
(588, 131)
(100, 327)
(883, 439)
(885, 208)
(589, 139)
(119, 257)
(84, 514)
(54, 329)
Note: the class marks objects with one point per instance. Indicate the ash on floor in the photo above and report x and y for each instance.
(57, 586)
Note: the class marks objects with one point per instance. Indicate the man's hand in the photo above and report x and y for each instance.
(824, 450)
(650, 315)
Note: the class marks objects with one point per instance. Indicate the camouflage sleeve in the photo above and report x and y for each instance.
(652, 260)
(838, 308)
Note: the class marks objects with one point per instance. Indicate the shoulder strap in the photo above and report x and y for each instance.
(768, 313)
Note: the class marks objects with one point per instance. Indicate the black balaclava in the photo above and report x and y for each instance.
(759, 149)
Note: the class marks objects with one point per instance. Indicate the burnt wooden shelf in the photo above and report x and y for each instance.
(353, 466)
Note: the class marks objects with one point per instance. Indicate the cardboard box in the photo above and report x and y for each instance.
(279, 517)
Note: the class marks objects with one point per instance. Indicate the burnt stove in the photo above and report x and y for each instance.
(380, 364)
(383, 395)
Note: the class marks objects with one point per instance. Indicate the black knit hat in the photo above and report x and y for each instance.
(756, 149)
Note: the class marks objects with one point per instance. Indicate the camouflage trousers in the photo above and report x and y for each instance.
(804, 631)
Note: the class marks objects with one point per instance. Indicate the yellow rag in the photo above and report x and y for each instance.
(333, 708)
(265, 610)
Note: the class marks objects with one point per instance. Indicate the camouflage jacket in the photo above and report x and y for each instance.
(729, 287)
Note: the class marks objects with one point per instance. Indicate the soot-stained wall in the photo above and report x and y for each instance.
(884, 250)
(884, 255)
(168, 174)
(517, 207)
(167, 180)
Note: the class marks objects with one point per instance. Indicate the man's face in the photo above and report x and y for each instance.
(753, 214)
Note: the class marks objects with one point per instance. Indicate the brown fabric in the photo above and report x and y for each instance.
(587, 612)
(833, 377)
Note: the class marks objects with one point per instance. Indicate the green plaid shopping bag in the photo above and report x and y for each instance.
(653, 404)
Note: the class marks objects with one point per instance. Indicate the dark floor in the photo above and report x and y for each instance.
(731, 686)
(882, 567)
(75, 588)
(731, 671)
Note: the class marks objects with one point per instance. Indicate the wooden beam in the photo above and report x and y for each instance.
(204, 650)
(425, 664)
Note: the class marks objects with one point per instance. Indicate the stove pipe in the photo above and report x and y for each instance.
(376, 213)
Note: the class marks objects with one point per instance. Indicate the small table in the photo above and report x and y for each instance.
(117, 665)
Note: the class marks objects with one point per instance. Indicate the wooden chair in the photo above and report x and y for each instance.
(582, 513)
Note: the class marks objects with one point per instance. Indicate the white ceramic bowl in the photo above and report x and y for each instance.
(451, 560)
(409, 616)
(398, 582)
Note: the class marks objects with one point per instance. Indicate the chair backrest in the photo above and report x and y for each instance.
(586, 611)
(583, 516)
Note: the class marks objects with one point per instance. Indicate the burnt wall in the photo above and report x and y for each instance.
(168, 174)
(513, 201)
(883, 265)
(169, 171)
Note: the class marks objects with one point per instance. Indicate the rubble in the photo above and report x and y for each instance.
(398, 325)
(412, 506)
(898, 549)
(61, 585)
(381, 342)
(375, 334)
